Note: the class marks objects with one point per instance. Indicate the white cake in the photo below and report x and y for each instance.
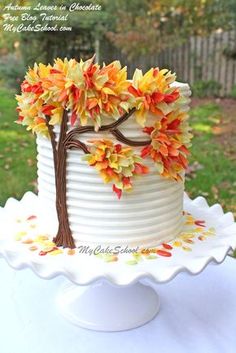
(150, 214)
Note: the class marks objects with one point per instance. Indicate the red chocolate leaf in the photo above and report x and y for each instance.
(117, 191)
(167, 246)
(73, 118)
(30, 218)
(200, 223)
(163, 253)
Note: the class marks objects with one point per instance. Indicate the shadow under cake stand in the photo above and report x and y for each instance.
(109, 292)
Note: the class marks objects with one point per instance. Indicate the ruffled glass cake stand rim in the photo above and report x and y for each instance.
(106, 292)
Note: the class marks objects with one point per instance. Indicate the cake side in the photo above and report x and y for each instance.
(151, 213)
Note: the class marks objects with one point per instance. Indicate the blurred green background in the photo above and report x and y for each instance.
(194, 38)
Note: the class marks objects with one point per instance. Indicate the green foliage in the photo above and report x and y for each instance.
(154, 25)
(137, 27)
(45, 46)
(17, 152)
(216, 178)
(203, 89)
(207, 114)
(230, 53)
(78, 43)
(7, 39)
(233, 92)
(12, 71)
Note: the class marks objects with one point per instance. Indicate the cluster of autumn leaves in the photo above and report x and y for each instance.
(116, 164)
(94, 94)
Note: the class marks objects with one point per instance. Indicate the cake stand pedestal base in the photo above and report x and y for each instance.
(105, 307)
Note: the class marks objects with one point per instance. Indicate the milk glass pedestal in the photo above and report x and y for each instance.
(102, 294)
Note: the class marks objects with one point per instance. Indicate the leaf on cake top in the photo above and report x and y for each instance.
(85, 89)
(153, 93)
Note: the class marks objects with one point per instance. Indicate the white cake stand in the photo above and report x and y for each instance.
(110, 292)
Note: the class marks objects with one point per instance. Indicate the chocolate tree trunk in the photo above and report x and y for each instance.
(64, 236)
(68, 141)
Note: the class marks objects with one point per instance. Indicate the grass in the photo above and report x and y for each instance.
(17, 152)
(216, 177)
(213, 168)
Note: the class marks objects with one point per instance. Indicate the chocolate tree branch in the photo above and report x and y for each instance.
(90, 128)
(77, 144)
(120, 137)
(118, 122)
(53, 141)
(64, 127)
